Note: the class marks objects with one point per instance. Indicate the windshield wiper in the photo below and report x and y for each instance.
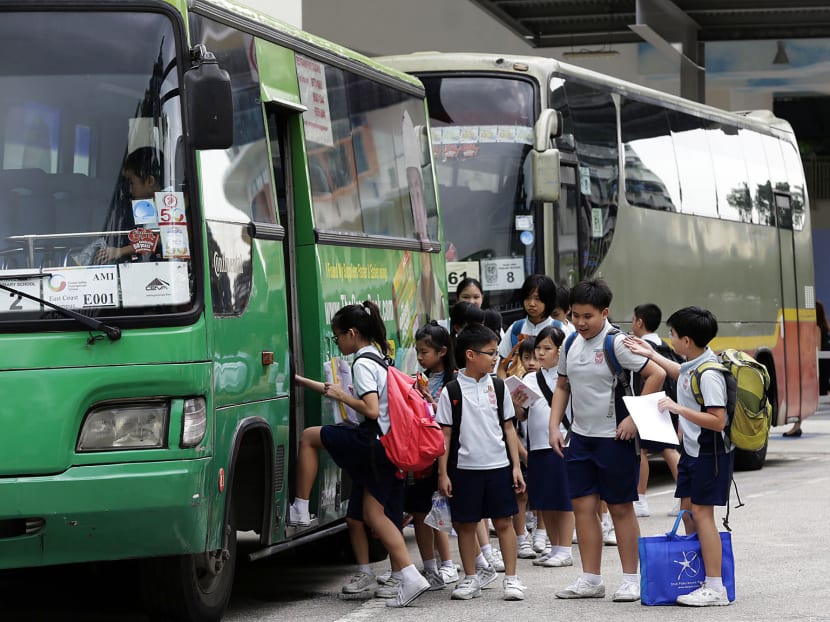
(113, 332)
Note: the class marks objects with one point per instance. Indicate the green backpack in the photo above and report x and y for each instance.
(749, 412)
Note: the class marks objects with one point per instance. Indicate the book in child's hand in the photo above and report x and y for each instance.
(521, 393)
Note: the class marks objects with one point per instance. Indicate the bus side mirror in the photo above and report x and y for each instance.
(544, 160)
(209, 102)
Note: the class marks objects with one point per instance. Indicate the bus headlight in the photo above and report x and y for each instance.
(125, 426)
(194, 421)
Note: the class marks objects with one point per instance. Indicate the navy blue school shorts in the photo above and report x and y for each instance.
(604, 466)
(393, 508)
(358, 452)
(547, 481)
(478, 494)
(419, 493)
(706, 479)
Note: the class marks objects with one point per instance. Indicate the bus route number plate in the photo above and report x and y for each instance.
(501, 274)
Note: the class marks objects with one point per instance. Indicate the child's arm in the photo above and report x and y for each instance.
(513, 448)
(638, 346)
(444, 483)
(713, 418)
(311, 385)
(561, 395)
(368, 405)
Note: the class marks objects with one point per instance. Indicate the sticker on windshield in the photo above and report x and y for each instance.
(144, 241)
(154, 283)
(10, 302)
(175, 243)
(499, 274)
(82, 287)
(144, 212)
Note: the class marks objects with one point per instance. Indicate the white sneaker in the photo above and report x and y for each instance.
(383, 578)
(526, 551)
(297, 518)
(388, 589)
(539, 561)
(448, 574)
(436, 581)
(467, 588)
(486, 575)
(513, 589)
(675, 509)
(582, 589)
(407, 592)
(609, 536)
(704, 597)
(557, 561)
(641, 509)
(495, 560)
(628, 593)
(540, 542)
(359, 582)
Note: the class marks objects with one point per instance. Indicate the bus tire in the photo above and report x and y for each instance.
(183, 588)
(750, 460)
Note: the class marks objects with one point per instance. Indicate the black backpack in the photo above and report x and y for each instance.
(669, 384)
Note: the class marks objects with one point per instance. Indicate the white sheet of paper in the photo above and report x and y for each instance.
(520, 392)
(652, 423)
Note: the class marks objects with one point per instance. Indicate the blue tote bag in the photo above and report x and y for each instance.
(671, 565)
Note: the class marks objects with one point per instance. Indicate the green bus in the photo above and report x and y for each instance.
(671, 201)
(149, 408)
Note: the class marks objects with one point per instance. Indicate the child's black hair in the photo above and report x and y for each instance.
(699, 325)
(594, 292)
(365, 319)
(437, 337)
(527, 346)
(650, 314)
(465, 283)
(492, 320)
(145, 162)
(554, 333)
(472, 337)
(545, 288)
(463, 313)
(563, 298)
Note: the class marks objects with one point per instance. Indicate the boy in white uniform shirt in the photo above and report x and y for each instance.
(602, 461)
(480, 472)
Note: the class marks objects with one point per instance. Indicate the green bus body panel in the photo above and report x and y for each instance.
(104, 512)
(277, 73)
(43, 411)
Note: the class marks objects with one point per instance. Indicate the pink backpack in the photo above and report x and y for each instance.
(414, 440)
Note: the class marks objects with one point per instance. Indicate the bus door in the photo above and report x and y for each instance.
(562, 247)
(790, 393)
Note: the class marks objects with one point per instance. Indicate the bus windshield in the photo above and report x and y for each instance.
(482, 130)
(92, 208)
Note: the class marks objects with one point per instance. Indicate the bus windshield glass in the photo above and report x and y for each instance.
(93, 215)
(482, 130)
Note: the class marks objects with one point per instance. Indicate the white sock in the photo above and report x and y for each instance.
(301, 505)
(397, 574)
(447, 563)
(640, 497)
(542, 533)
(593, 579)
(630, 578)
(563, 551)
(481, 562)
(520, 539)
(365, 568)
(486, 549)
(714, 583)
(430, 564)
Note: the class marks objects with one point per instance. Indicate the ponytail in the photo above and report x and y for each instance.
(365, 319)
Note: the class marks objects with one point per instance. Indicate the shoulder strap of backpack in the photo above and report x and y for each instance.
(613, 363)
(373, 357)
(698, 372)
(498, 385)
(569, 342)
(543, 387)
(453, 390)
(515, 331)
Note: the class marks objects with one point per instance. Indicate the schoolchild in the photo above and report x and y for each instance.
(602, 460)
(562, 309)
(538, 295)
(359, 329)
(547, 480)
(432, 343)
(644, 324)
(704, 472)
(527, 364)
(469, 290)
(480, 472)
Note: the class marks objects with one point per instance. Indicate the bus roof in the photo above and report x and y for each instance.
(541, 68)
(272, 29)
